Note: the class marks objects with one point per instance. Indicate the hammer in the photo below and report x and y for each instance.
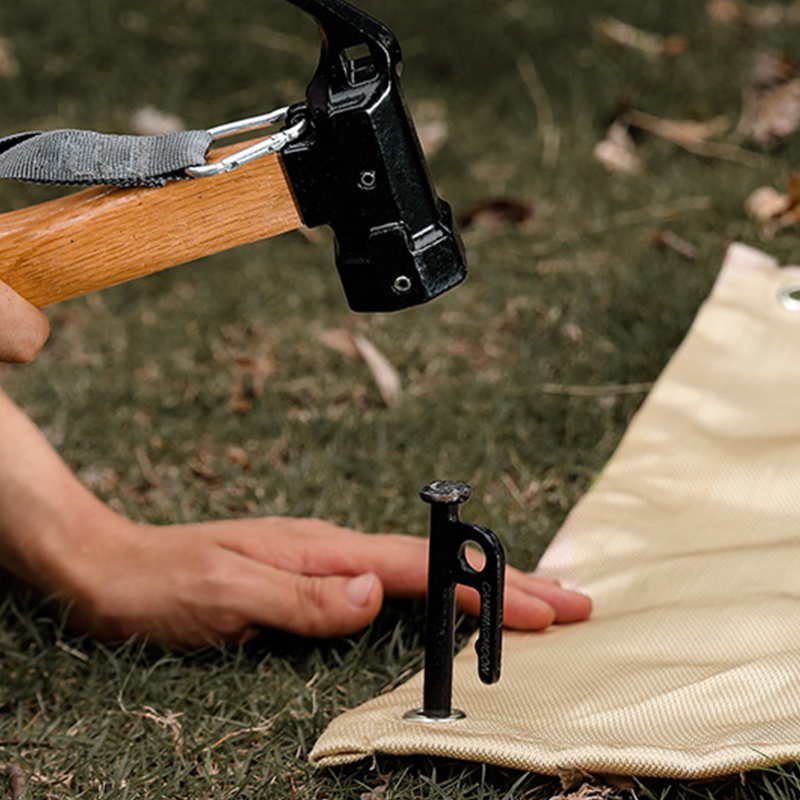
(348, 156)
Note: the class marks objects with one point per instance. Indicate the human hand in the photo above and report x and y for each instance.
(203, 583)
(192, 585)
(23, 328)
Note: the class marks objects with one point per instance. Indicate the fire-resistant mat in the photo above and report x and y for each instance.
(689, 543)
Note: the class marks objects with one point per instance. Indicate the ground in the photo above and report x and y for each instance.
(213, 390)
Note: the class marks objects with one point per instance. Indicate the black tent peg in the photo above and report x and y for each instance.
(448, 566)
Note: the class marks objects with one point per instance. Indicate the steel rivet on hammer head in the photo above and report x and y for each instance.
(402, 284)
(367, 180)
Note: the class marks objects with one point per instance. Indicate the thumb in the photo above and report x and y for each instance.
(322, 606)
(24, 327)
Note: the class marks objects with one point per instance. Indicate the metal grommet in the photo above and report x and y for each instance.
(402, 284)
(789, 296)
(419, 715)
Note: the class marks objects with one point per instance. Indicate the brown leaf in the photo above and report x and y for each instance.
(379, 791)
(587, 792)
(771, 101)
(581, 785)
(773, 210)
(681, 131)
(772, 114)
(770, 70)
(765, 204)
(573, 777)
(693, 136)
(617, 152)
(793, 189)
(497, 212)
(238, 457)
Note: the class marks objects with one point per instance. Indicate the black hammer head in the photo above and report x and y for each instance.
(360, 169)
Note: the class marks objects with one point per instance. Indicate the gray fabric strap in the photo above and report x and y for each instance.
(87, 158)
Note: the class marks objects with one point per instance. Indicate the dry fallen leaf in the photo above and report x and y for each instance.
(772, 114)
(773, 210)
(681, 131)
(765, 203)
(693, 136)
(573, 778)
(769, 70)
(588, 791)
(651, 44)
(238, 457)
(581, 785)
(386, 377)
(497, 212)
(617, 152)
(340, 340)
(771, 101)
(150, 121)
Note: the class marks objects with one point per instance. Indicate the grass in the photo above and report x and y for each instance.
(141, 386)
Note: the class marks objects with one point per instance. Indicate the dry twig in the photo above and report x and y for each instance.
(551, 135)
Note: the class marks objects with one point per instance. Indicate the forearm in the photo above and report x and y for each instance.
(43, 507)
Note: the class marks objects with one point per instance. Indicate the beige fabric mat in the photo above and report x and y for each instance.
(689, 543)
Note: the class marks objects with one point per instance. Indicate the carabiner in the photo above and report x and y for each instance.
(272, 144)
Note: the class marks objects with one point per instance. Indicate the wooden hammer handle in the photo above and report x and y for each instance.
(103, 236)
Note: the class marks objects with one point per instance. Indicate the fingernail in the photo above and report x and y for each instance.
(359, 589)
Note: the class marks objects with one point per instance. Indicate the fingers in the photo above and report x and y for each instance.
(313, 547)
(23, 328)
(532, 603)
(568, 605)
(521, 611)
(313, 606)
